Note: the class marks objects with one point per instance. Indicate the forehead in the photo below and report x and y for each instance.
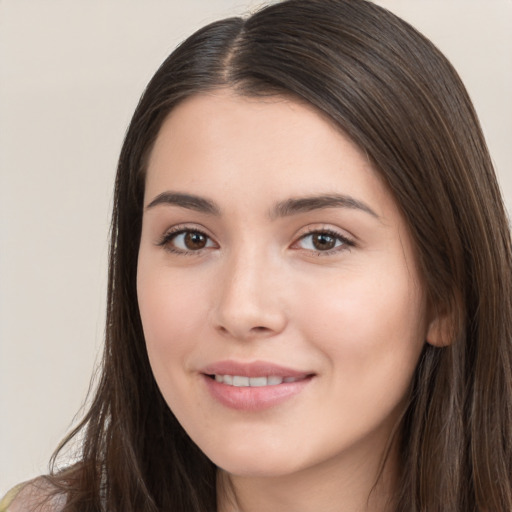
(276, 146)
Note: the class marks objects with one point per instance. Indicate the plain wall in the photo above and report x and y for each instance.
(71, 72)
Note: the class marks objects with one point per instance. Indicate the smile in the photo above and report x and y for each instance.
(242, 381)
(253, 386)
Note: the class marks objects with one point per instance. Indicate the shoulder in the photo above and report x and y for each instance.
(33, 496)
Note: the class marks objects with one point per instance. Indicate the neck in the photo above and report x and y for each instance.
(365, 485)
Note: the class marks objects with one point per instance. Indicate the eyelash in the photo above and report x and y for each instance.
(346, 243)
(169, 236)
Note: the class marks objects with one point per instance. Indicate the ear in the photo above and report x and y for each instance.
(440, 329)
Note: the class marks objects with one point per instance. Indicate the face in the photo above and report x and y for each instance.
(280, 299)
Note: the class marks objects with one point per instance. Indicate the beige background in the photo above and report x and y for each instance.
(71, 72)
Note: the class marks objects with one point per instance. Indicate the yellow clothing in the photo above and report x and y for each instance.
(9, 497)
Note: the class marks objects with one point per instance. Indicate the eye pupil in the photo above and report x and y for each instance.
(195, 240)
(323, 241)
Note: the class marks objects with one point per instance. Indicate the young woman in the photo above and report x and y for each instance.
(310, 282)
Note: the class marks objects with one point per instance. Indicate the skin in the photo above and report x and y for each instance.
(354, 316)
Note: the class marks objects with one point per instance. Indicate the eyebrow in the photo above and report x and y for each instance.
(292, 206)
(188, 201)
(306, 204)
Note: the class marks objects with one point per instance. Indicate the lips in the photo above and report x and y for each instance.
(242, 381)
(253, 369)
(253, 386)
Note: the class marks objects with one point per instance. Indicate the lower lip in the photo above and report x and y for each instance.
(254, 398)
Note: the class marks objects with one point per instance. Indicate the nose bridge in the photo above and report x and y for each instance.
(248, 303)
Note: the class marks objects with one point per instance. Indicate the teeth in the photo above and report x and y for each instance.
(258, 381)
(242, 381)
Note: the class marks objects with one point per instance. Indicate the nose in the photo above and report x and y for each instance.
(250, 302)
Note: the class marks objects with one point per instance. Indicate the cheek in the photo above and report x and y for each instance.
(172, 313)
(172, 317)
(367, 324)
(371, 335)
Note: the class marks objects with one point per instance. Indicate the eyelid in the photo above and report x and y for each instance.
(348, 242)
(174, 231)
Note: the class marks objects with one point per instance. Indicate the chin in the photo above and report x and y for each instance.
(255, 463)
(264, 470)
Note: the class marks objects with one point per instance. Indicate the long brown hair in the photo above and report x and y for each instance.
(397, 97)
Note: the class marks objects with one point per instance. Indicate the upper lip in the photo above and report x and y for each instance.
(252, 369)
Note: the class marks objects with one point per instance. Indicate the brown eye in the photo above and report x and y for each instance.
(323, 241)
(194, 240)
(186, 241)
